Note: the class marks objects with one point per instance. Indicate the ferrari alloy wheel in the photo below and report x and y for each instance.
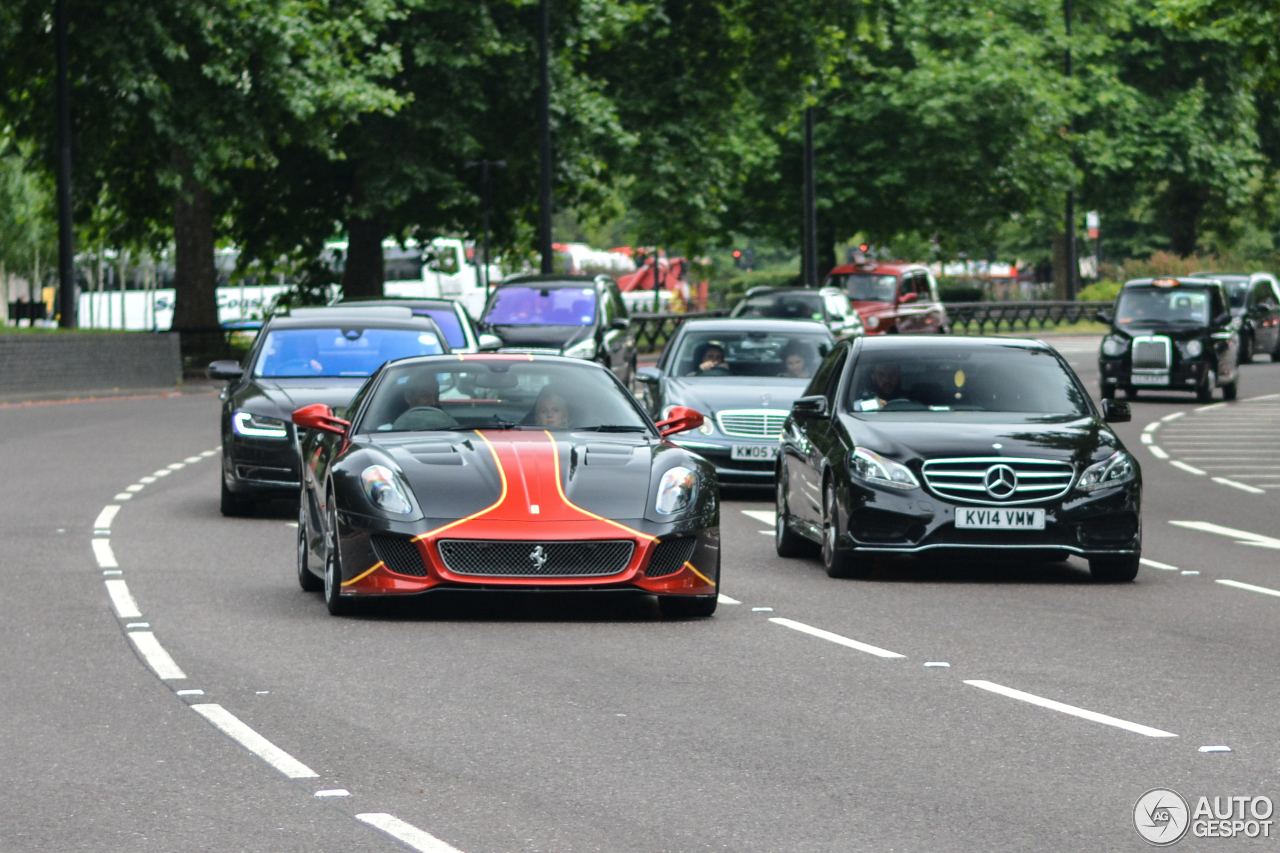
(1204, 391)
(839, 564)
(786, 541)
(306, 578)
(684, 606)
(337, 603)
(1122, 569)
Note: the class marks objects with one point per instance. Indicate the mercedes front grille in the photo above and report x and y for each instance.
(998, 481)
(751, 423)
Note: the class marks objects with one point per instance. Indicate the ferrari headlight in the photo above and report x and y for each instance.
(1115, 469)
(1193, 349)
(1113, 346)
(676, 491)
(582, 349)
(384, 491)
(874, 468)
(258, 426)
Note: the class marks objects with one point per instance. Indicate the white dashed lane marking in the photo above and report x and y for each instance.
(1241, 486)
(155, 655)
(1190, 469)
(1232, 443)
(724, 599)
(122, 600)
(1243, 537)
(765, 516)
(232, 726)
(104, 555)
(104, 519)
(834, 638)
(1165, 567)
(1250, 587)
(1062, 707)
(406, 833)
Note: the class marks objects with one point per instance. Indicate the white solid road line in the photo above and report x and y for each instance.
(1173, 417)
(105, 556)
(1094, 716)
(1263, 397)
(1157, 452)
(231, 726)
(1211, 408)
(121, 600)
(155, 655)
(1185, 467)
(766, 516)
(1241, 486)
(1155, 565)
(104, 519)
(1243, 537)
(406, 833)
(835, 638)
(1151, 427)
(724, 599)
(1250, 587)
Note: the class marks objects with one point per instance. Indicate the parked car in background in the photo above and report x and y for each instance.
(457, 326)
(892, 298)
(742, 375)
(1170, 334)
(578, 316)
(1255, 300)
(827, 305)
(315, 355)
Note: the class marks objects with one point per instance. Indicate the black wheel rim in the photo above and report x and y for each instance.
(828, 526)
(780, 508)
(331, 583)
(302, 539)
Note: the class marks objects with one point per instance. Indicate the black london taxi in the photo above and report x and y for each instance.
(1170, 334)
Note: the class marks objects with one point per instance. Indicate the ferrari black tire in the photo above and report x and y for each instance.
(1107, 391)
(1230, 390)
(1246, 349)
(786, 541)
(236, 506)
(1114, 569)
(338, 604)
(1204, 391)
(306, 578)
(839, 564)
(685, 606)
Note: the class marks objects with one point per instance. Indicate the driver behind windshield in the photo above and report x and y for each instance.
(421, 392)
(710, 360)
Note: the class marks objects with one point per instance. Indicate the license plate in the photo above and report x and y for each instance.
(1149, 379)
(754, 452)
(1000, 519)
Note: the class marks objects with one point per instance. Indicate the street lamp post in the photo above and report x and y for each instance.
(1073, 264)
(809, 257)
(486, 203)
(66, 248)
(544, 137)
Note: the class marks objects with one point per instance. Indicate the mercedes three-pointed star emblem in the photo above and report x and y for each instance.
(1001, 481)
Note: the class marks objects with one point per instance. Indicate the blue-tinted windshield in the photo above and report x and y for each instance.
(450, 325)
(352, 351)
(550, 306)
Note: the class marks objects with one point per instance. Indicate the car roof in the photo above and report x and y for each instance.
(739, 324)
(915, 342)
(1181, 279)
(501, 356)
(879, 267)
(766, 289)
(409, 302)
(373, 317)
(554, 279)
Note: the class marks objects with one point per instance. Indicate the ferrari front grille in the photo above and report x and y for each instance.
(751, 423)
(670, 556)
(1151, 353)
(536, 559)
(997, 480)
(399, 555)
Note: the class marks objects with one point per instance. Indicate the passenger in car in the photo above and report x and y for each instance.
(795, 360)
(551, 409)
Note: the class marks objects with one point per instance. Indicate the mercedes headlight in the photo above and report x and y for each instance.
(676, 491)
(258, 426)
(582, 349)
(1113, 346)
(1115, 469)
(874, 468)
(384, 491)
(707, 428)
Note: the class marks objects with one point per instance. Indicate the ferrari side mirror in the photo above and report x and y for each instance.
(321, 417)
(680, 420)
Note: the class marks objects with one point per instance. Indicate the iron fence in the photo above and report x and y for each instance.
(654, 330)
(965, 314)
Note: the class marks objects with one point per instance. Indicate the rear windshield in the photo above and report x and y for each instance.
(946, 379)
(1152, 305)
(867, 287)
(450, 325)
(351, 351)
(781, 306)
(746, 354)
(515, 305)
(500, 394)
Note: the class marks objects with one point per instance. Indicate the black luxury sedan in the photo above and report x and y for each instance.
(1171, 334)
(315, 355)
(578, 316)
(742, 375)
(827, 305)
(1255, 299)
(450, 315)
(977, 446)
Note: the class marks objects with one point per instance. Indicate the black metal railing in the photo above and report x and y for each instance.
(967, 314)
(28, 311)
(654, 330)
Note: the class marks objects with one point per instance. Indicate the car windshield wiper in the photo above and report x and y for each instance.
(614, 428)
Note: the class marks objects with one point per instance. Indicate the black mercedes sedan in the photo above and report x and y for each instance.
(742, 375)
(316, 355)
(972, 446)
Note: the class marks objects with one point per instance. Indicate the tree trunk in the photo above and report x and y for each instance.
(195, 279)
(1185, 202)
(363, 275)
(1060, 262)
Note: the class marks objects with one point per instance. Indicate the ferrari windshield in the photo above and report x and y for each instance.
(518, 305)
(1150, 305)
(499, 394)
(990, 378)
(350, 351)
(867, 287)
(748, 354)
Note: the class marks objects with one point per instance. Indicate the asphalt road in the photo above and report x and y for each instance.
(552, 724)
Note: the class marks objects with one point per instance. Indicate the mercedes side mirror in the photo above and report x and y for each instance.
(225, 369)
(810, 407)
(680, 420)
(1116, 412)
(648, 374)
(489, 343)
(321, 417)
(620, 323)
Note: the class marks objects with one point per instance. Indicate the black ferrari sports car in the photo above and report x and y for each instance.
(317, 355)
(978, 446)
(504, 472)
